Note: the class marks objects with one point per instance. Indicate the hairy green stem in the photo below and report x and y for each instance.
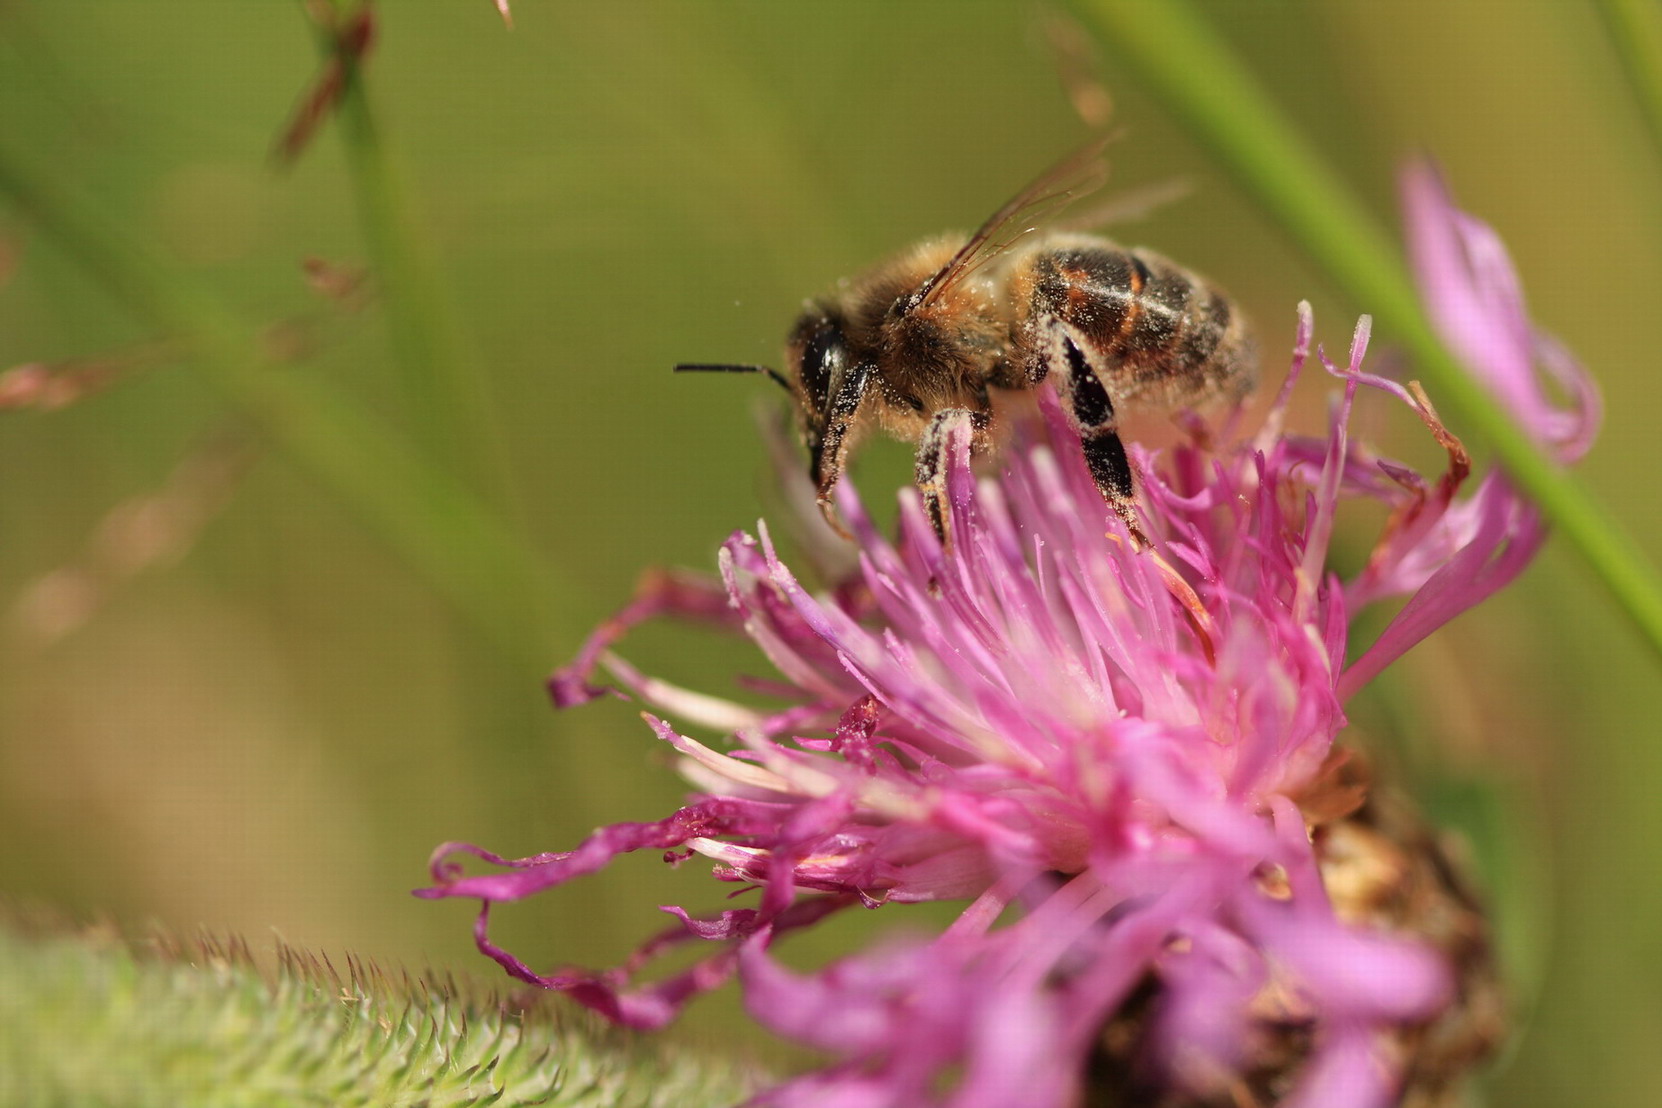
(1178, 55)
(192, 1023)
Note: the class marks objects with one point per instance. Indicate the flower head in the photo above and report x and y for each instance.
(1124, 760)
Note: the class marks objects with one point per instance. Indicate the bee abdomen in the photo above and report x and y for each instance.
(1158, 331)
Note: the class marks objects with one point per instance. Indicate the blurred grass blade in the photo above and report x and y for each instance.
(1178, 55)
(446, 396)
(91, 1019)
(1635, 28)
(428, 517)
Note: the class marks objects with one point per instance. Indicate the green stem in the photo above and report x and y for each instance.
(426, 515)
(450, 409)
(1635, 28)
(445, 394)
(1180, 57)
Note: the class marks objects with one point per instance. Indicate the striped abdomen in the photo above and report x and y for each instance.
(1157, 334)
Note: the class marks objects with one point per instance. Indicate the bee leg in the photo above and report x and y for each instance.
(828, 450)
(1092, 412)
(930, 470)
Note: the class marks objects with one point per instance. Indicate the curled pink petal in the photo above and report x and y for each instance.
(1475, 300)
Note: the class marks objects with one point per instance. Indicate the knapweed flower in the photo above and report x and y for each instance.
(1179, 886)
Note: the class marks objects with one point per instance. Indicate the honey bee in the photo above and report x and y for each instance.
(931, 336)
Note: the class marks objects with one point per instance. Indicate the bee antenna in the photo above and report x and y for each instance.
(699, 367)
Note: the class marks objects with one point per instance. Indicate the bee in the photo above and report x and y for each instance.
(930, 337)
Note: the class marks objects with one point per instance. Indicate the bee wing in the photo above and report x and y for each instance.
(1041, 201)
(1129, 206)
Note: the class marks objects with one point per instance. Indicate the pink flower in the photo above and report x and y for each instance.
(1124, 762)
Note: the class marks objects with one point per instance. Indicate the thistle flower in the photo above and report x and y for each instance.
(1179, 887)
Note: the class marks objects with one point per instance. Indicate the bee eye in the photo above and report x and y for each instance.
(822, 356)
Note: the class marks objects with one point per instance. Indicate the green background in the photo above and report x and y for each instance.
(268, 726)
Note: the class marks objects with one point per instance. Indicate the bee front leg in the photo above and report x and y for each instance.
(1091, 411)
(930, 469)
(828, 445)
